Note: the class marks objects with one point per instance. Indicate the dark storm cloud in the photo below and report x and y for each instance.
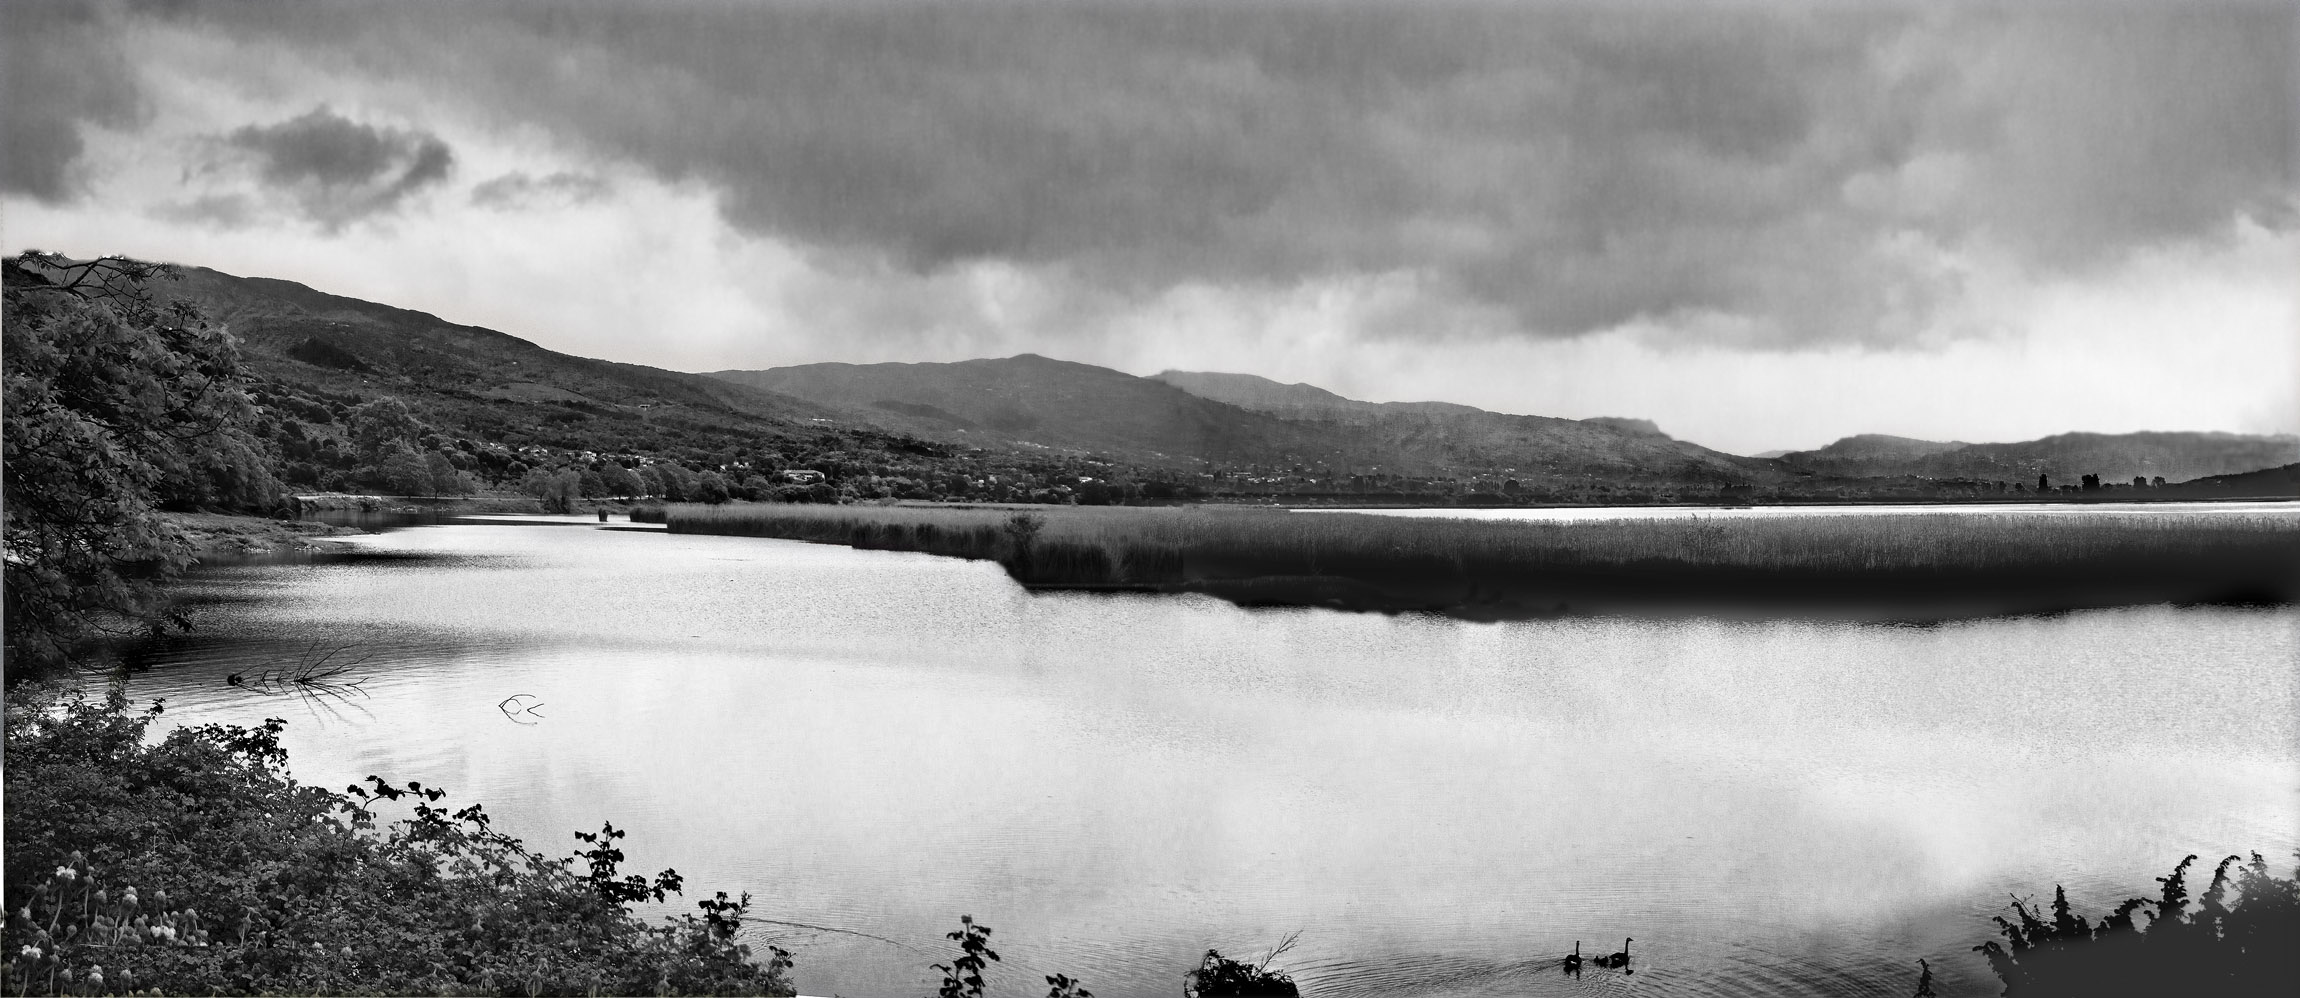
(2119, 125)
(1575, 165)
(519, 189)
(60, 70)
(339, 169)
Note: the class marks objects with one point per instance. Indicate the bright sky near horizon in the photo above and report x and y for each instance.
(1760, 224)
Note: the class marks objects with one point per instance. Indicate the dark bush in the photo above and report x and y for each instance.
(194, 864)
(1218, 976)
(2238, 948)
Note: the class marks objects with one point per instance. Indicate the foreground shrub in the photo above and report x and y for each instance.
(2221, 947)
(196, 865)
(962, 977)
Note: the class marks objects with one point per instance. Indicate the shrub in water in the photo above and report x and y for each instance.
(1218, 976)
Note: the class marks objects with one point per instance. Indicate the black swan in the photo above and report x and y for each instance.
(1620, 959)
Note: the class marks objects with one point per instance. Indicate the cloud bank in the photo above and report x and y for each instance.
(338, 170)
(1450, 181)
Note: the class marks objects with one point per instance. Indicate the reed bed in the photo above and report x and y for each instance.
(2100, 559)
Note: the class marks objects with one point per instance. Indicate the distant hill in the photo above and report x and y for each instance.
(287, 327)
(314, 354)
(319, 353)
(1294, 401)
(1540, 451)
(1034, 401)
(2175, 456)
(1873, 447)
(2279, 483)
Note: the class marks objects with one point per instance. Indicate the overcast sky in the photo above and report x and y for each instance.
(1760, 224)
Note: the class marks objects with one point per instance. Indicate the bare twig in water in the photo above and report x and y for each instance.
(1279, 950)
(515, 707)
(322, 679)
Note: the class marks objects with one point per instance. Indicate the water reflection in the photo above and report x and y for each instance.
(874, 743)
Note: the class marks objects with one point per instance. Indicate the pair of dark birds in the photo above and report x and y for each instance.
(1573, 963)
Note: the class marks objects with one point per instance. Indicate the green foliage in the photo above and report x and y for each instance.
(962, 977)
(603, 858)
(194, 864)
(710, 488)
(558, 490)
(2218, 948)
(1065, 986)
(114, 409)
(379, 426)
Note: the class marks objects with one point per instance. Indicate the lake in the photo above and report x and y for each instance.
(875, 743)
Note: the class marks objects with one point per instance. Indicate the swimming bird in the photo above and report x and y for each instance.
(1620, 959)
(1573, 962)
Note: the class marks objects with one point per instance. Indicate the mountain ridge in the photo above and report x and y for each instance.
(1288, 426)
(491, 384)
(2175, 456)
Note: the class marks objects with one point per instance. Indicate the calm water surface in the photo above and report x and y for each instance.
(874, 743)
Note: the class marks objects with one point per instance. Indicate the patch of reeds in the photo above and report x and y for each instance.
(1412, 563)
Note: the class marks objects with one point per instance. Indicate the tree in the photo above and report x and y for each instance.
(710, 488)
(114, 404)
(622, 482)
(2043, 484)
(677, 483)
(557, 489)
(402, 472)
(376, 426)
(446, 478)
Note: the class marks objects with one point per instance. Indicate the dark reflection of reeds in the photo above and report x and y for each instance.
(2237, 938)
(1937, 566)
(324, 679)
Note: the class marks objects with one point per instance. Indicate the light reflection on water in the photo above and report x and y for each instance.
(881, 742)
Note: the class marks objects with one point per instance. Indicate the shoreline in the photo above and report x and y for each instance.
(223, 536)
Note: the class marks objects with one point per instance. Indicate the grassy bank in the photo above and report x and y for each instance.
(1943, 565)
(226, 535)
